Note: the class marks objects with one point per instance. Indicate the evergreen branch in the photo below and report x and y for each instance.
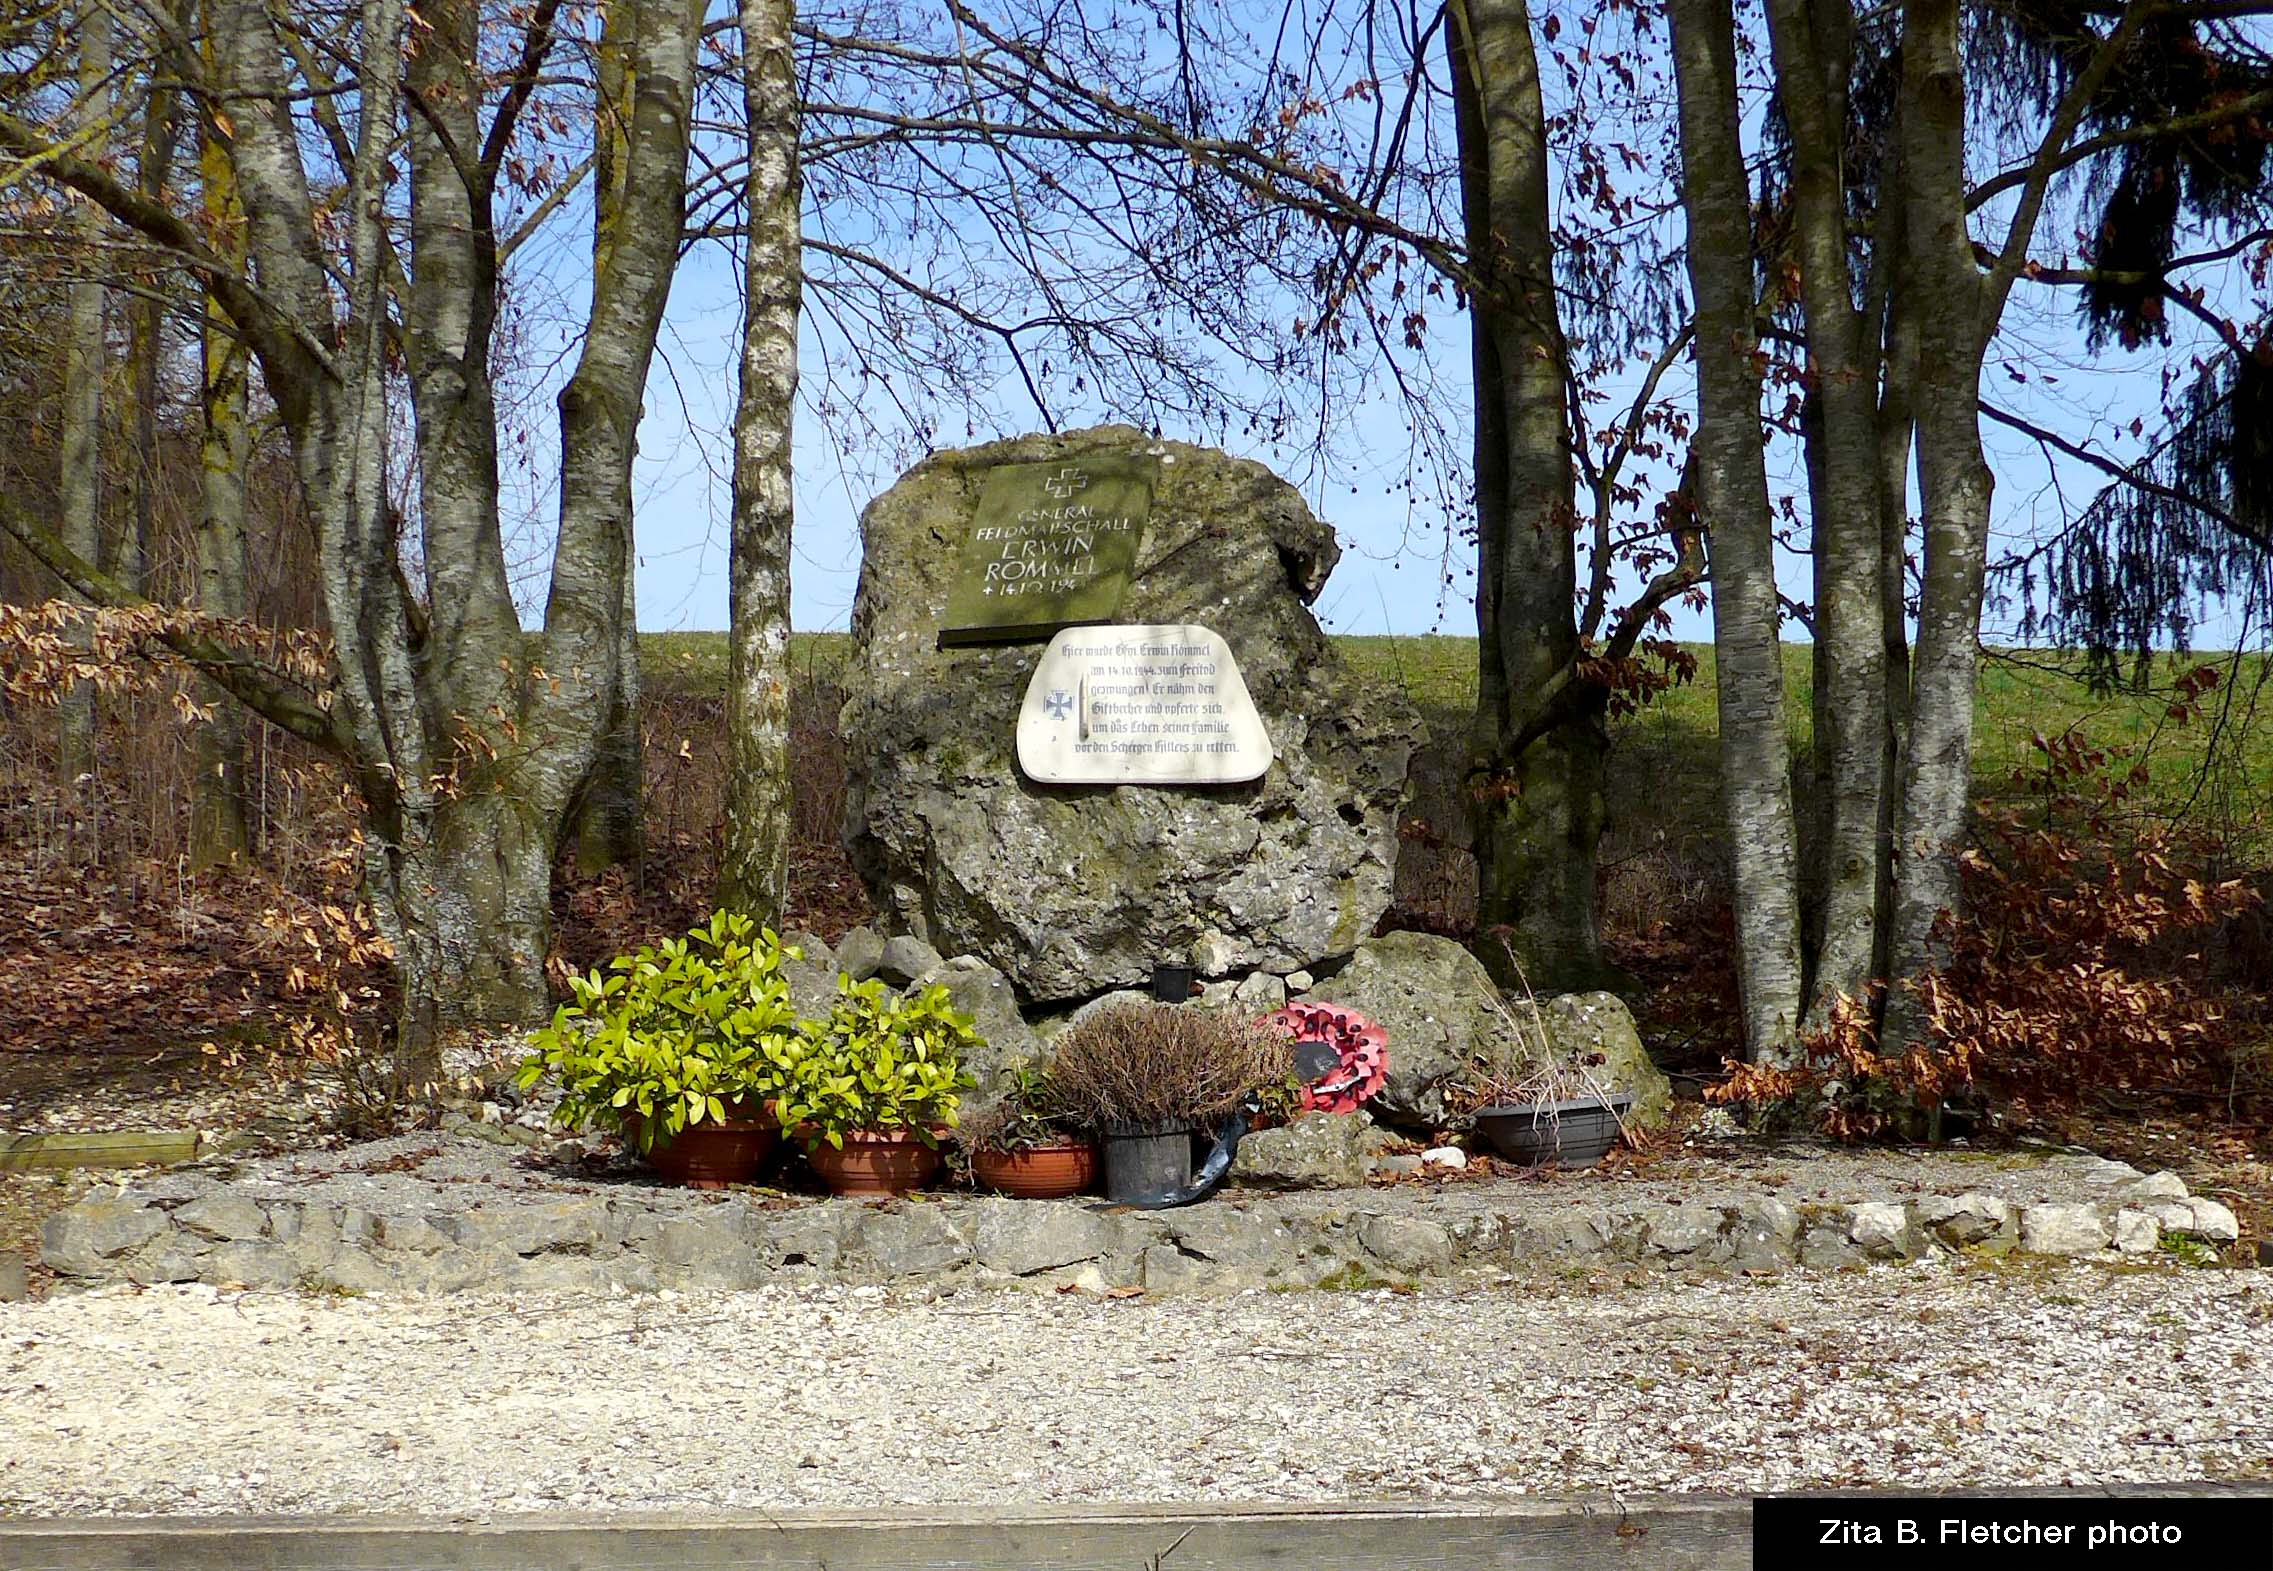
(2131, 475)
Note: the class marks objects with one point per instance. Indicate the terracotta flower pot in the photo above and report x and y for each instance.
(875, 1162)
(1039, 1172)
(711, 1155)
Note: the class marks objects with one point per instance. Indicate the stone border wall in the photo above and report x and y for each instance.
(186, 1228)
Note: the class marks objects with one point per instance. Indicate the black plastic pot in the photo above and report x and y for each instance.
(1576, 1133)
(1152, 1168)
(1171, 984)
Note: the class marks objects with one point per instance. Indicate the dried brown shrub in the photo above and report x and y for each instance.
(49, 648)
(1151, 1065)
(2077, 971)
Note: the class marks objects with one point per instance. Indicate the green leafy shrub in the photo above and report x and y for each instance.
(880, 1062)
(1030, 1113)
(674, 1033)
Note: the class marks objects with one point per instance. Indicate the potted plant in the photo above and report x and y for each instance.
(875, 1086)
(1150, 1076)
(1025, 1144)
(678, 1047)
(1550, 1112)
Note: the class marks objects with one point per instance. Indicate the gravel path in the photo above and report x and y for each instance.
(184, 1400)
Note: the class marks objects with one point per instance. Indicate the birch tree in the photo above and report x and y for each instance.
(754, 876)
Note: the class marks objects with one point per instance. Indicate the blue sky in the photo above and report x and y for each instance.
(1401, 570)
(1391, 578)
(1393, 574)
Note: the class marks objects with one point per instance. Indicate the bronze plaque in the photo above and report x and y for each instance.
(1050, 545)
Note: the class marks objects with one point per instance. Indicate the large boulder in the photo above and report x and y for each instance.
(1580, 1025)
(1442, 1012)
(1071, 890)
(1313, 1151)
(980, 991)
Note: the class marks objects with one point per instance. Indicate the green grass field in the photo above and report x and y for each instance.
(1663, 766)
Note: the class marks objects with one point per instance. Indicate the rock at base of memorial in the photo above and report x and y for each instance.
(1583, 1024)
(1071, 890)
(980, 991)
(859, 953)
(1313, 1151)
(904, 959)
(812, 976)
(1441, 1011)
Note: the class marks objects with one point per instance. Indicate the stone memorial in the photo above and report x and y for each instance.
(1050, 545)
(1071, 890)
(1149, 705)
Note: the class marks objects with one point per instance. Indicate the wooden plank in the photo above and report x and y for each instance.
(1547, 1533)
(120, 1148)
(1706, 1533)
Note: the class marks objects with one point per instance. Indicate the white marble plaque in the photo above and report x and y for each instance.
(1142, 705)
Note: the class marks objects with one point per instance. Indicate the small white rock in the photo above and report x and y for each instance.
(2165, 1185)
(2212, 1222)
(2176, 1216)
(2063, 1230)
(1879, 1227)
(2136, 1233)
(1300, 981)
(1445, 1156)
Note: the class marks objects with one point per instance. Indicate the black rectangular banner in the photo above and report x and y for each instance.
(2014, 1533)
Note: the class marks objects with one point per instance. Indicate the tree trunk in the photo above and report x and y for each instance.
(754, 877)
(588, 651)
(472, 648)
(1812, 43)
(1732, 486)
(1537, 801)
(145, 346)
(145, 349)
(220, 822)
(1539, 821)
(609, 814)
(462, 894)
(1899, 334)
(1954, 492)
(79, 481)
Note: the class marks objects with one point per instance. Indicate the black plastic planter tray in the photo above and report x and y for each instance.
(1576, 1133)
